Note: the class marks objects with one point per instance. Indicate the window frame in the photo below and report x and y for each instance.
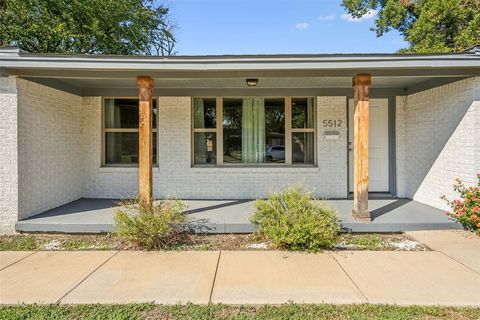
(304, 130)
(218, 130)
(218, 135)
(123, 130)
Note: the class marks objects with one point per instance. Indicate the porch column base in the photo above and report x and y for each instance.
(363, 216)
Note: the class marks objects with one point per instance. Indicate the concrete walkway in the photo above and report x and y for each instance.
(246, 277)
(231, 216)
(456, 244)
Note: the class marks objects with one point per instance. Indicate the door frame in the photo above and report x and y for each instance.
(392, 149)
(392, 144)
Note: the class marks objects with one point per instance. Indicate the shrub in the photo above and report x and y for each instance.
(158, 226)
(466, 210)
(291, 220)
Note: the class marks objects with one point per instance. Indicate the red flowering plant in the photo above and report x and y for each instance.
(466, 210)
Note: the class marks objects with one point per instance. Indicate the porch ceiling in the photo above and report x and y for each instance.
(329, 74)
(277, 82)
(382, 86)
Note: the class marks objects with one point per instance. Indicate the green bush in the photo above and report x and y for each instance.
(157, 226)
(291, 220)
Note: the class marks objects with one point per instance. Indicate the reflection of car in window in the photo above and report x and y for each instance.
(275, 153)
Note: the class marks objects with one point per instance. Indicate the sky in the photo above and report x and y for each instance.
(274, 27)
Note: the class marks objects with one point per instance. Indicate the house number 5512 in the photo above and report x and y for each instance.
(332, 123)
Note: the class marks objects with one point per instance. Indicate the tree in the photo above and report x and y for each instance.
(428, 25)
(87, 26)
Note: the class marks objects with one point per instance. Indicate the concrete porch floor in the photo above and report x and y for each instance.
(231, 216)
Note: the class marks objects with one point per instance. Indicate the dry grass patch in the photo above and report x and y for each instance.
(198, 242)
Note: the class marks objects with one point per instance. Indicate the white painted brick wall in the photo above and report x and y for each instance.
(8, 155)
(176, 178)
(50, 160)
(438, 139)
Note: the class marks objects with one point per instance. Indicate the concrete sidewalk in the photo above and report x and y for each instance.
(243, 277)
(457, 244)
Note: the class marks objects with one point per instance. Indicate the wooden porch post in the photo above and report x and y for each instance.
(145, 143)
(361, 86)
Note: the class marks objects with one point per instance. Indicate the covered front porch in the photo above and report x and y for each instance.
(419, 110)
(89, 215)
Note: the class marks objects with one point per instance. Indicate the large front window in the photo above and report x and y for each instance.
(121, 132)
(253, 131)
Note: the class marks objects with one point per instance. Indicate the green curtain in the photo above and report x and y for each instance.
(253, 130)
(112, 114)
(199, 107)
(309, 113)
(309, 153)
(199, 138)
(112, 120)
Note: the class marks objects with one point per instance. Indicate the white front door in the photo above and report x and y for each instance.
(378, 170)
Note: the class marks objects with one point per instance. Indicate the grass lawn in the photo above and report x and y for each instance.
(287, 311)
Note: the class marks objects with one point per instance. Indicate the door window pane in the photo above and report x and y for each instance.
(123, 113)
(303, 147)
(232, 130)
(205, 149)
(122, 148)
(275, 130)
(302, 113)
(205, 113)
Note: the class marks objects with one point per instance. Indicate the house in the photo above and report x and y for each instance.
(234, 127)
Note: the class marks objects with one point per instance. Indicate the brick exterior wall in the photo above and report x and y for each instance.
(176, 178)
(8, 155)
(50, 168)
(438, 139)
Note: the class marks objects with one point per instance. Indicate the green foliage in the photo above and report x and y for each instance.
(466, 210)
(158, 226)
(428, 25)
(86, 26)
(290, 219)
(224, 312)
(84, 312)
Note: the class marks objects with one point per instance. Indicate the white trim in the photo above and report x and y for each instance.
(123, 169)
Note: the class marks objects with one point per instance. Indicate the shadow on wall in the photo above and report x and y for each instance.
(439, 137)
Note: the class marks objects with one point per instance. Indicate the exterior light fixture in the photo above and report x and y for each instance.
(252, 82)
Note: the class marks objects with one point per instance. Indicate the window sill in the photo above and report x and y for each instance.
(122, 169)
(255, 169)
